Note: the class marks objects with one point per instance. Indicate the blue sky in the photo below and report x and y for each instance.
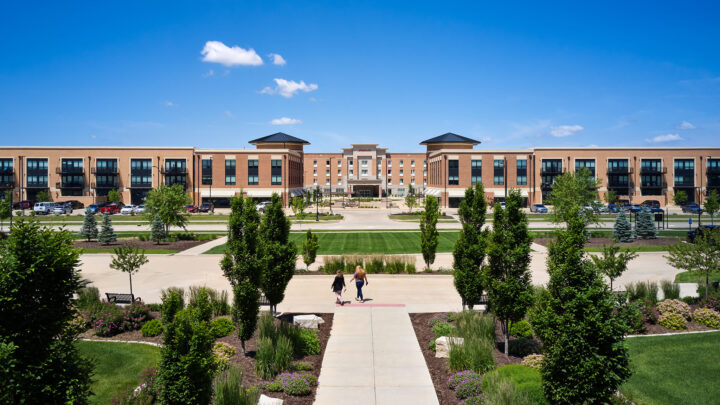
(188, 73)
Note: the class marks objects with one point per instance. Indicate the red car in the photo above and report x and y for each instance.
(191, 208)
(112, 208)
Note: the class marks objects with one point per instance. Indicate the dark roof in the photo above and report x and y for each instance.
(279, 137)
(450, 138)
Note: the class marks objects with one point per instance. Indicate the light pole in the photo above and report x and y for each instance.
(317, 205)
(330, 177)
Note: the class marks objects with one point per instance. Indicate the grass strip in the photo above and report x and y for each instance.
(146, 251)
(688, 277)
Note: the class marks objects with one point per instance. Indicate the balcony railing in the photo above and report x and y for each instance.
(37, 172)
(69, 170)
(713, 170)
(69, 184)
(551, 170)
(6, 170)
(546, 185)
(653, 170)
(104, 170)
(174, 170)
(684, 184)
(36, 185)
(653, 185)
(140, 185)
(104, 185)
(619, 170)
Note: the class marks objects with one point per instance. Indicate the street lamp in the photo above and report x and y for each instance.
(317, 206)
(330, 177)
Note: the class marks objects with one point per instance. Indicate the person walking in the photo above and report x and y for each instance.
(360, 278)
(337, 286)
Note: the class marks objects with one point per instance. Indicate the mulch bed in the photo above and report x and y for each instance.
(248, 362)
(600, 242)
(439, 371)
(656, 329)
(147, 245)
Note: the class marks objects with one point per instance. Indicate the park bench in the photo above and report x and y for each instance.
(483, 301)
(118, 298)
(263, 299)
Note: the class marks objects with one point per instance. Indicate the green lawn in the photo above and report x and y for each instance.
(681, 369)
(367, 242)
(146, 251)
(416, 218)
(118, 366)
(687, 277)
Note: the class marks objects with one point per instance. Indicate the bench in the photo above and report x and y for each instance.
(263, 299)
(483, 301)
(117, 298)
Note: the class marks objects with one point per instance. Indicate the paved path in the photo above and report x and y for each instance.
(373, 358)
(200, 249)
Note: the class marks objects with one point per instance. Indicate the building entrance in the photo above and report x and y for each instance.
(365, 191)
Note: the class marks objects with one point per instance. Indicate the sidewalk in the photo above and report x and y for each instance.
(373, 357)
(200, 249)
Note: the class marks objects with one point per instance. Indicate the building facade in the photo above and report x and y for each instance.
(278, 164)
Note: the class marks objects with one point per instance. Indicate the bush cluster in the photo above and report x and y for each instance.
(87, 298)
(466, 384)
(523, 347)
(647, 290)
(675, 307)
(441, 329)
(145, 392)
(670, 290)
(394, 264)
(152, 328)
(279, 343)
(476, 352)
(514, 384)
(218, 299)
(672, 320)
(521, 329)
(221, 327)
(108, 319)
(533, 361)
(707, 317)
(711, 302)
(301, 366)
(173, 301)
(296, 384)
(223, 352)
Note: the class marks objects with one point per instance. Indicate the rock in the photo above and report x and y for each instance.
(265, 400)
(308, 321)
(442, 345)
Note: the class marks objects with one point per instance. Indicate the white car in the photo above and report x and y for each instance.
(262, 205)
(128, 209)
(41, 208)
(139, 209)
(62, 208)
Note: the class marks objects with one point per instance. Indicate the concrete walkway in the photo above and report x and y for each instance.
(373, 357)
(200, 249)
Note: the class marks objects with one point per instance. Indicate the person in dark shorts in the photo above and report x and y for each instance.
(338, 285)
(360, 279)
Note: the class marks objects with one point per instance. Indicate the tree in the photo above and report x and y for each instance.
(712, 205)
(701, 257)
(187, 364)
(241, 265)
(585, 355)
(611, 197)
(622, 230)
(39, 362)
(469, 250)
(310, 248)
(5, 209)
(645, 227)
(89, 227)
(128, 259)
(157, 232)
(42, 196)
(298, 205)
(507, 275)
(613, 263)
(107, 233)
(429, 237)
(572, 189)
(279, 253)
(680, 198)
(167, 202)
(114, 196)
(411, 199)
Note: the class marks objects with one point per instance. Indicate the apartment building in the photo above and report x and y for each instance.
(278, 164)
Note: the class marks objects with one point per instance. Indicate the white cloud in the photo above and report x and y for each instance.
(277, 59)
(217, 52)
(169, 104)
(685, 125)
(208, 73)
(288, 88)
(665, 138)
(285, 121)
(565, 130)
(229, 114)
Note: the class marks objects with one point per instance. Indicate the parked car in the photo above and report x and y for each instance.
(43, 208)
(614, 208)
(95, 208)
(633, 208)
(75, 204)
(692, 208)
(112, 208)
(191, 208)
(139, 209)
(262, 205)
(128, 209)
(204, 207)
(539, 208)
(23, 205)
(62, 208)
(692, 234)
(651, 203)
(598, 206)
(623, 203)
(657, 210)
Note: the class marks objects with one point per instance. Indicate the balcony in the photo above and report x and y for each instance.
(38, 172)
(660, 185)
(137, 184)
(174, 171)
(653, 170)
(104, 170)
(68, 184)
(96, 185)
(713, 170)
(546, 185)
(36, 185)
(552, 170)
(687, 184)
(69, 170)
(619, 170)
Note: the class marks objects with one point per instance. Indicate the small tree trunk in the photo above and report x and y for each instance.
(707, 284)
(130, 274)
(507, 337)
(242, 346)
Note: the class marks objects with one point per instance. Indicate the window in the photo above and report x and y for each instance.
(339, 173)
(412, 172)
(424, 172)
(389, 182)
(327, 173)
(206, 171)
(351, 172)
(315, 181)
(327, 163)
(412, 181)
(339, 183)
(424, 182)
(314, 163)
(453, 172)
(499, 180)
(230, 172)
(412, 163)
(137, 165)
(350, 162)
(253, 177)
(586, 163)
(229, 180)
(401, 163)
(276, 172)
(424, 163)
(402, 181)
(684, 172)
(363, 172)
(363, 163)
(389, 172)
(522, 180)
(327, 182)
(476, 171)
(389, 164)
(401, 172)
(499, 172)
(339, 163)
(521, 174)
(314, 172)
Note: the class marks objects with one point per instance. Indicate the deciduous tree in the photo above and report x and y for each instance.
(680, 197)
(167, 202)
(310, 248)
(5, 209)
(469, 250)
(114, 196)
(574, 189)
(613, 263)
(429, 237)
(712, 205)
(128, 259)
(611, 197)
(278, 253)
(701, 257)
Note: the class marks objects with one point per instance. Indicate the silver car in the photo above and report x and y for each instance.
(61, 208)
(43, 208)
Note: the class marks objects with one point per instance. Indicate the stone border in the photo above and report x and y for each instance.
(674, 333)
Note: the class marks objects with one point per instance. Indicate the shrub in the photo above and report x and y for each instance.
(711, 302)
(394, 265)
(301, 366)
(533, 361)
(523, 347)
(228, 389)
(331, 264)
(474, 354)
(87, 297)
(221, 327)
(675, 307)
(469, 387)
(501, 391)
(152, 328)
(672, 320)
(462, 376)
(670, 289)
(293, 384)
(145, 393)
(351, 261)
(473, 324)
(647, 311)
(308, 342)
(442, 329)
(437, 318)
(478, 400)
(283, 354)
(265, 358)
(135, 315)
(707, 317)
(222, 353)
(375, 264)
(173, 301)
(108, 319)
(521, 329)
(642, 291)
(631, 314)
(527, 383)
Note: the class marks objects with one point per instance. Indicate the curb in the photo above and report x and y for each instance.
(674, 333)
(121, 341)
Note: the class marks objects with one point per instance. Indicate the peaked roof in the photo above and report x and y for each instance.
(449, 138)
(279, 137)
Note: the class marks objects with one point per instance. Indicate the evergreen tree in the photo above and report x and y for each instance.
(585, 356)
(310, 248)
(469, 250)
(507, 276)
(623, 230)
(157, 232)
(278, 252)
(429, 237)
(89, 228)
(39, 361)
(107, 233)
(241, 265)
(645, 227)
